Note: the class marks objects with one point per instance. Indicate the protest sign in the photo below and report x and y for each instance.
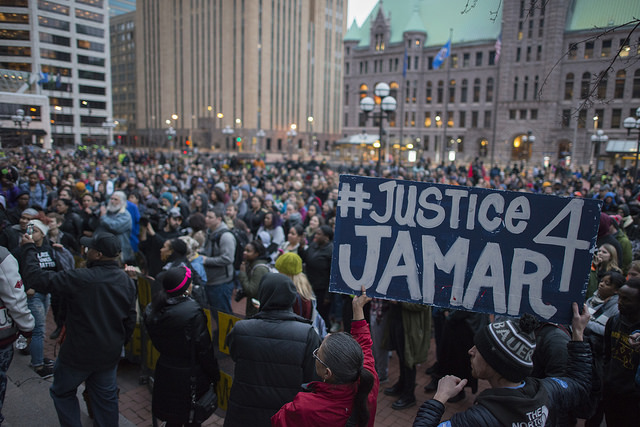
(466, 248)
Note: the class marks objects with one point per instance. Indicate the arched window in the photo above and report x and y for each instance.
(619, 90)
(568, 87)
(393, 89)
(429, 96)
(364, 89)
(440, 92)
(452, 91)
(476, 90)
(636, 84)
(585, 84)
(602, 87)
(521, 148)
(489, 96)
(463, 90)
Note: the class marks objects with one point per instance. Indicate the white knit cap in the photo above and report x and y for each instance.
(40, 225)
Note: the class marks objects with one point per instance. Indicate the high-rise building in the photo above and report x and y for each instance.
(123, 76)
(249, 76)
(120, 7)
(523, 81)
(61, 50)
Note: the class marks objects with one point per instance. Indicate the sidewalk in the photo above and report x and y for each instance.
(28, 404)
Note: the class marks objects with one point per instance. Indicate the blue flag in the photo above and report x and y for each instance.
(442, 55)
(44, 78)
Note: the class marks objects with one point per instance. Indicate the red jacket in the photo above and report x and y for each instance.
(331, 404)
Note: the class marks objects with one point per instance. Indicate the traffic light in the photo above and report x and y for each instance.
(239, 141)
(188, 143)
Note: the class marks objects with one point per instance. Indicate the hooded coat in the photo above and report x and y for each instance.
(272, 353)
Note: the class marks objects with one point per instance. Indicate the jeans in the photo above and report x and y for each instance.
(6, 354)
(103, 394)
(219, 297)
(38, 304)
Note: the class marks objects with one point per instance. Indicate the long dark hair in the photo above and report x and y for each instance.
(343, 355)
(170, 279)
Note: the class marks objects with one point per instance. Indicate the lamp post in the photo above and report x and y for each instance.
(310, 131)
(596, 139)
(631, 123)
(388, 105)
(110, 124)
(18, 119)
(291, 133)
(528, 140)
(171, 133)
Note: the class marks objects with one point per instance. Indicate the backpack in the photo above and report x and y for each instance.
(241, 237)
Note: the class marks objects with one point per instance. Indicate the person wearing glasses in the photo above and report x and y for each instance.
(348, 392)
(272, 352)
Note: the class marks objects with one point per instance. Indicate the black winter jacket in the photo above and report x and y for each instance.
(170, 329)
(101, 314)
(501, 404)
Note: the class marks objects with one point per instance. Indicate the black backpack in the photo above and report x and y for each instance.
(242, 238)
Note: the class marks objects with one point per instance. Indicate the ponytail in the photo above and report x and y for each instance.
(360, 401)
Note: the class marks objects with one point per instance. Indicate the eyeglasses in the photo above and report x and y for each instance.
(315, 356)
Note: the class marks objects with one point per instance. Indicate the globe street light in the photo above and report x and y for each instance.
(388, 105)
(18, 119)
(291, 133)
(631, 123)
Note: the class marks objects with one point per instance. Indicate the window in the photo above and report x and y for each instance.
(598, 119)
(454, 60)
(15, 51)
(14, 34)
(346, 120)
(54, 54)
(539, 53)
(515, 88)
(476, 90)
(489, 96)
(91, 75)
(540, 27)
(530, 31)
(414, 93)
(616, 117)
(462, 118)
(582, 119)
(525, 88)
(536, 86)
(91, 60)
(94, 3)
(50, 6)
(346, 94)
(588, 50)
(90, 16)
(492, 57)
(573, 51)
(606, 48)
(393, 89)
(636, 84)
(408, 92)
(512, 114)
(585, 85)
(413, 119)
(450, 119)
(452, 91)
(568, 87)
(52, 23)
(362, 119)
(86, 44)
(460, 142)
(528, 54)
(478, 59)
(415, 63)
(465, 60)
(520, 30)
(440, 92)
(487, 119)
(379, 42)
(428, 97)
(523, 114)
(363, 90)
(518, 51)
(602, 87)
(474, 119)
(463, 90)
(533, 114)
(54, 39)
(92, 90)
(618, 93)
(625, 48)
(346, 68)
(427, 119)
(14, 18)
(566, 118)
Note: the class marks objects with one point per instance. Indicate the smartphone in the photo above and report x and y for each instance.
(30, 230)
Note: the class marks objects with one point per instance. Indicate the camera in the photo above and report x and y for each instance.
(239, 294)
(30, 230)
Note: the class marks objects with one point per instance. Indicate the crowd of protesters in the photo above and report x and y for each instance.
(226, 222)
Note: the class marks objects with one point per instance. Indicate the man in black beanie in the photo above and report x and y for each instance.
(502, 355)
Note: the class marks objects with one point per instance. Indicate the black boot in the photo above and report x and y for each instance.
(404, 402)
(395, 390)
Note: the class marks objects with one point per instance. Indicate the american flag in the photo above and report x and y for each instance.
(498, 46)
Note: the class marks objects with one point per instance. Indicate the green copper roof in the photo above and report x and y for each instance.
(591, 14)
(434, 17)
(353, 33)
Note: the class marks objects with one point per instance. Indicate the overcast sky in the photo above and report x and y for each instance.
(359, 9)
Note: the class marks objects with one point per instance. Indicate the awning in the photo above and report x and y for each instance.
(361, 138)
(622, 146)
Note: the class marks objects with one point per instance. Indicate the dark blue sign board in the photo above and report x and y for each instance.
(468, 248)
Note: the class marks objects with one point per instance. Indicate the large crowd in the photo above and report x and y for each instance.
(80, 228)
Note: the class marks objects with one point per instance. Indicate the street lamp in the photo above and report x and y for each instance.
(18, 119)
(110, 124)
(598, 138)
(171, 133)
(291, 133)
(387, 106)
(631, 123)
(310, 131)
